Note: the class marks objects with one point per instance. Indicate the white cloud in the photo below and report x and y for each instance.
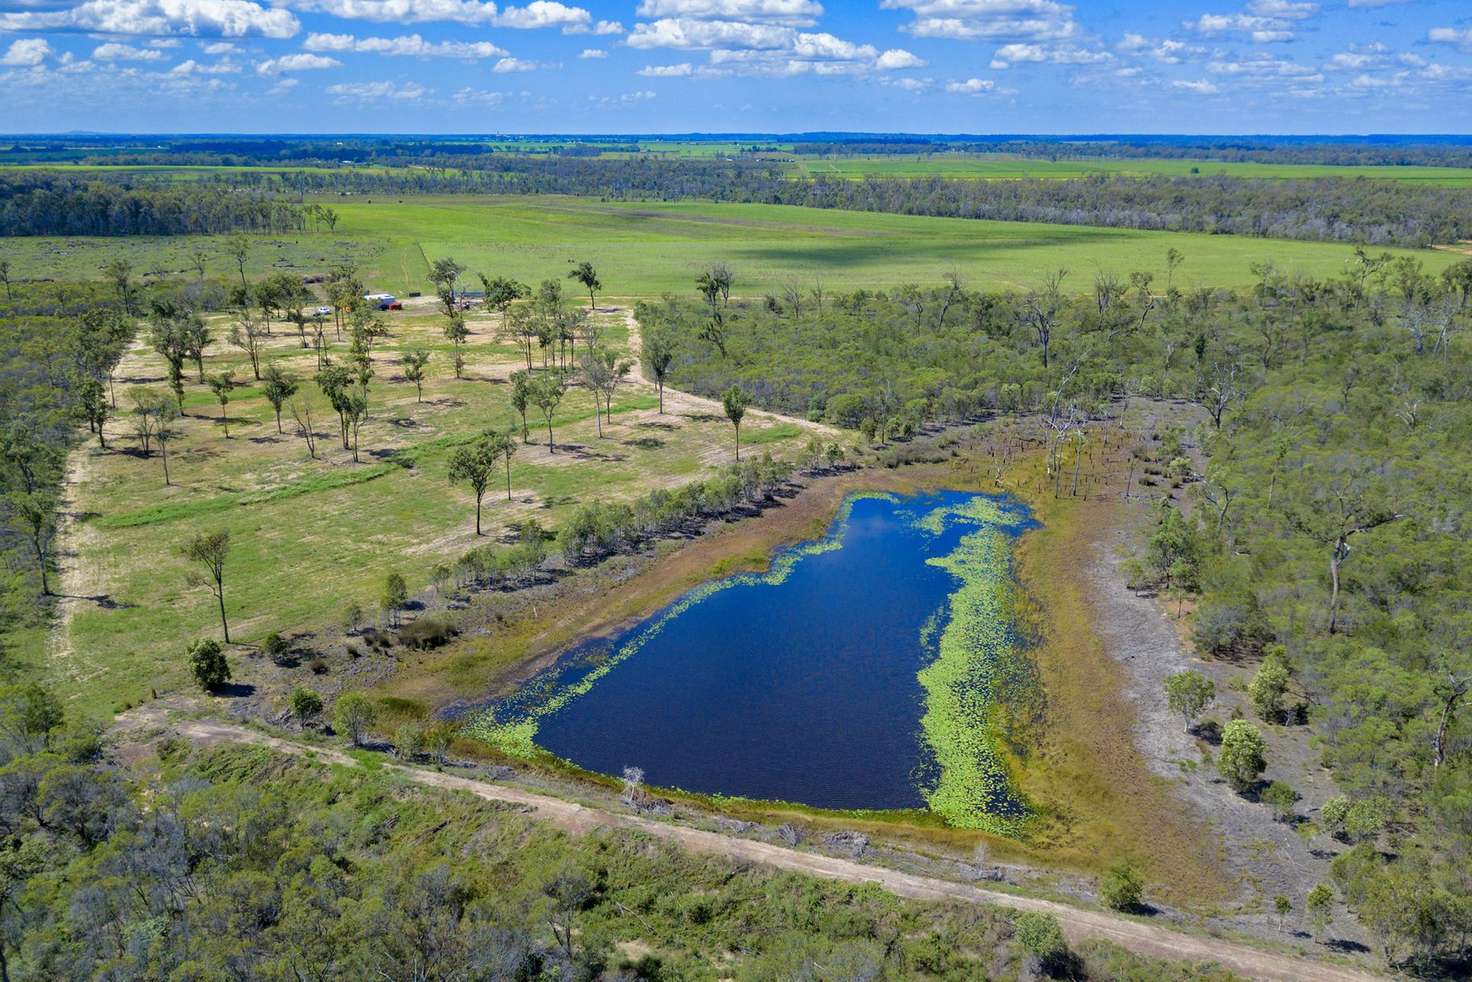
(296, 63)
(1203, 87)
(112, 51)
(593, 53)
(164, 43)
(479, 97)
(1264, 21)
(683, 70)
(546, 13)
(910, 84)
(202, 18)
(607, 27)
(999, 20)
(410, 45)
(705, 34)
(507, 65)
(1451, 35)
(896, 59)
(192, 67)
(795, 13)
(282, 87)
(377, 91)
(218, 48)
(972, 86)
(1262, 68)
(26, 53)
(1010, 54)
(619, 101)
(535, 15)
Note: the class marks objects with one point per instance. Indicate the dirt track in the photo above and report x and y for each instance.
(1138, 937)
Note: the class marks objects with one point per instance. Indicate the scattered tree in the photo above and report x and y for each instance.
(210, 550)
(735, 401)
(1241, 758)
(353, 715)
(1189, 693)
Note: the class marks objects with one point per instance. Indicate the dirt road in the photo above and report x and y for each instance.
(1141, 938)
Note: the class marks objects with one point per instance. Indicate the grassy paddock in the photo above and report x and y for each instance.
(309, 537)
(646, 249)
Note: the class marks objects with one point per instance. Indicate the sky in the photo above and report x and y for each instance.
(674, 66)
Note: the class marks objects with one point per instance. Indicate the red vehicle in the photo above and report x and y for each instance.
(391, 305)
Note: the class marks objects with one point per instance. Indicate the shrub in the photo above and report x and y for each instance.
(1241, 758)
(1267, 689)
(1120, 888)
(1280, 798)
(426, 633)
(354, 714)
(1334, 812)
(409, 741)
(1223, 628)
(208, 664)
(1367, 817)
(1189, 693)
(1040, 934)
(306, 705)
(277, 648)
(352, 617)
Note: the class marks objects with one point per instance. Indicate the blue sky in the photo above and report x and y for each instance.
(649, 66)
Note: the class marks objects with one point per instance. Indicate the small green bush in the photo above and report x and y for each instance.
(306, 705)
(207, 663)
(1040, 934)
(1120, 888)
(426, 633)
(1280, 798)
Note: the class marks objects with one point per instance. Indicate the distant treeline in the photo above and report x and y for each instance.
(1322, 209)
(47, 203)
(1422, 150)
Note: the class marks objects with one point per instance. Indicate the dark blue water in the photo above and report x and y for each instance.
(802, 690)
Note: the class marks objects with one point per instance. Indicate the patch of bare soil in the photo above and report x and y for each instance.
(1270, 857)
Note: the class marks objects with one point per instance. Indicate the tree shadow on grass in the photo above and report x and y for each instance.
(235, 690)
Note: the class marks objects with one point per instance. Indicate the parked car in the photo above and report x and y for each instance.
(391, 305)
(324, 311)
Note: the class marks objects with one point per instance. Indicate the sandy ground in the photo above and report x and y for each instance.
(1144, 939)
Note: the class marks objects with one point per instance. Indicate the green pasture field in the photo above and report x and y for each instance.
(646, 249)
(1007, 167)
(309, 537)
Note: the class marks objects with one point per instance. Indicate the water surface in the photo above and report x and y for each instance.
(803, 684)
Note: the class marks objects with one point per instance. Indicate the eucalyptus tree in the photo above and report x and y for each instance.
(502, 292)
(304, 412)
(95, 408)
(415, 361)
(210, 550)
(445, 275)
(35, 513)
(735, 400)
(473, 465)
(585, 274)
(237, 247)
(546, 392)
(5, 278)
(120, 273)
(280, 386)
(222, 385)
(249, 335)
(521, 398)
(659, 355)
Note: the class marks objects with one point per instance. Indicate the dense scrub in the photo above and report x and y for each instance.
(47, 203)
(57, 350)
(1328, 540)
(240, 863)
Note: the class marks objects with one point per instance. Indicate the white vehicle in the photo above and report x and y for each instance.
(379, 297)
(324, 311)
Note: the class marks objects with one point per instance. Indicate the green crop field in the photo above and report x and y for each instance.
(645, 249)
